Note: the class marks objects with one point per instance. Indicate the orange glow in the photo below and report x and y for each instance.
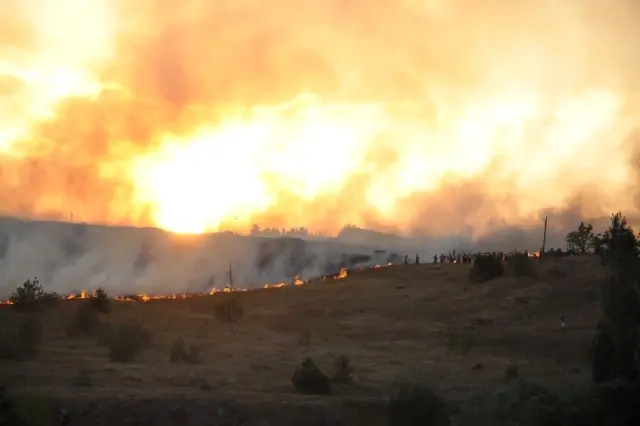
(342, 274)
(294, 114)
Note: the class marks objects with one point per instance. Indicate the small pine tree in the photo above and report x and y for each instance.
(416, 405)
(23, 342)
(30, 296)
(126, 341)
(308, 379)
(342, 370)
(582, 240)
(181, 353)
(100, 301)
(84, 322)
(617, 341)
(486, 268)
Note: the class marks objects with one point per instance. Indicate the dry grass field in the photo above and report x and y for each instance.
(415, 323)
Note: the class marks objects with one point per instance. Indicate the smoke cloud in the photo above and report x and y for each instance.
(411, 117)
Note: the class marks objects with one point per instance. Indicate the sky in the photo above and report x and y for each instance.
(413, 117)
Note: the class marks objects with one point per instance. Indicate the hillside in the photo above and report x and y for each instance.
(70, 257)
(405, 323)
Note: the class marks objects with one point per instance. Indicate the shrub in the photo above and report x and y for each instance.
(104, 334)
(30, 333)
(460, 341)
(517, 403)
(416, 405)
(308, 379)
(511, 373)
(615, 348)
(342, 370)
(126, 341)
(304, 337)
(100, 301)
(180, 352)
(31, 296)
(230, 309)
(23, 342)
(82, 378)
(524, 266)
(486, 268)
(85, 321)
(602, 351)
(611, 403)
(5, 408)
(28, 409)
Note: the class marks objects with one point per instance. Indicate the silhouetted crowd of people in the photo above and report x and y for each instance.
(417, 261)
(453, 258)
(469, 258)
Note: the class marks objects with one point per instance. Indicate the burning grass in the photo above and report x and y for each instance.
(394, 324)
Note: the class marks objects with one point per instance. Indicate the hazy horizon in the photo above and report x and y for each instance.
(70, 257)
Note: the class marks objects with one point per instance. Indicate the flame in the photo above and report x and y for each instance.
(82, 295)
(279, 119)
(278, 285)
(144, 297)
(252, 165)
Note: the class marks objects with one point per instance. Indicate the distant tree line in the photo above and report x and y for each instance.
(301, 231)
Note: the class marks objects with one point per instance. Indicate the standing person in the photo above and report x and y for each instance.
(417, 259)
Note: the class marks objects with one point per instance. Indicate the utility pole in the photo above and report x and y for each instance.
(230, 277)
(544, 237)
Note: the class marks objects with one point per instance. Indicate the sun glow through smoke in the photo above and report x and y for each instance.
(121, 124)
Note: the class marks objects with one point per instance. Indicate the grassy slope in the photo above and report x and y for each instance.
(396, 324)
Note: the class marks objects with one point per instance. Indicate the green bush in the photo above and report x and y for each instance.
(104, 334)
(486, 268)
(125, 341)
(181, 353)
(28, 409)
(82, 378)
(511, 373)
(229, 309)
(524, 266)
(30, 296)
(100, 301)
(84, 322)
(342, 370)
(461, 341)
(517, 403)
(608, 404)
(24, 341)
(308, 379)
(412, 405)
